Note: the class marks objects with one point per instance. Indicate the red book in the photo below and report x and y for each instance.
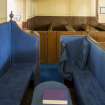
(55, 97)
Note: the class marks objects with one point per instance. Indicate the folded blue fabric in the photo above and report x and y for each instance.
(69, 57)
(73, 50)
(83, 54)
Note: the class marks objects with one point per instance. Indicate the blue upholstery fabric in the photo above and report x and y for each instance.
(68, 55)
(83, 53)
(14, 84)
(75, 52)
(66, 39)
(5, 46)
(89, 81)
(50, 72)
(72, 50)
(23, 46)
(19, 49)
(97, 63)
(88, 89)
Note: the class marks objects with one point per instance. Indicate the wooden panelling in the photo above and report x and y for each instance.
(57, 20)
(102, 45)
(99, 36)
(52, 47)
(43, 46)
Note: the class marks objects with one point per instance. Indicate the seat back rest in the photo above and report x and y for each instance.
(5, 47)
(73, 46)
(23, 46)
(96, 63)
(66, 39)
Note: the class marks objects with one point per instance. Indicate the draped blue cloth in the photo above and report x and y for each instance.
(89, 79)
(17, 63)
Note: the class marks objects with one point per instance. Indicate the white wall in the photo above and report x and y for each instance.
(66, 7)
(3, 10)
(30, 8)
(101, 18)
(23, 8)
(18, 8)
(83, 7)
(53, 7)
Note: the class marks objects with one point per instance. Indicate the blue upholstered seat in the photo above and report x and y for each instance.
(88, 89)
(89, 81)
(17, 63)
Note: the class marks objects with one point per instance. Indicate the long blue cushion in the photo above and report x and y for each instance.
(23, 46)
(14, 83)
(75, 52)
(73, 49)
(5, 46)
(90, 82)
(88, 89)
(97, 63)
(19, 49)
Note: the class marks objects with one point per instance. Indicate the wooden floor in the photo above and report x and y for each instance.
(27, 99)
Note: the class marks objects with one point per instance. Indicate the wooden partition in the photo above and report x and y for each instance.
(50, 45)
(43, 46)
(51, 28)
(99, 36)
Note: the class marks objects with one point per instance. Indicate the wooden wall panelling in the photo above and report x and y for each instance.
(52, 48)
(43, 47)
(102, 45)
(84, 33)
(99, 36)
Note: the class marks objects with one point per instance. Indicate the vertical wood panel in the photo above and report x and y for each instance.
(52, 47)
(43, 47)
(98, 36)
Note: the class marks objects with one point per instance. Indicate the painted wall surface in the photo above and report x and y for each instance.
(22, 9)
(3, 10)
(83, 7)
(66, 7)
(31, 8)
(18, 8)
(101, 17)
(53, 7)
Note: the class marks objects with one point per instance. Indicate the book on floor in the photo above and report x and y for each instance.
(55, 97)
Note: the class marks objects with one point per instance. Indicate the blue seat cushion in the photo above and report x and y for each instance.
(88, 89)
(83, 54)
(72, 49)
(14, 84)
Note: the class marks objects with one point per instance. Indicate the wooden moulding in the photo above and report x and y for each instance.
(99, 36)
(100, 44)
